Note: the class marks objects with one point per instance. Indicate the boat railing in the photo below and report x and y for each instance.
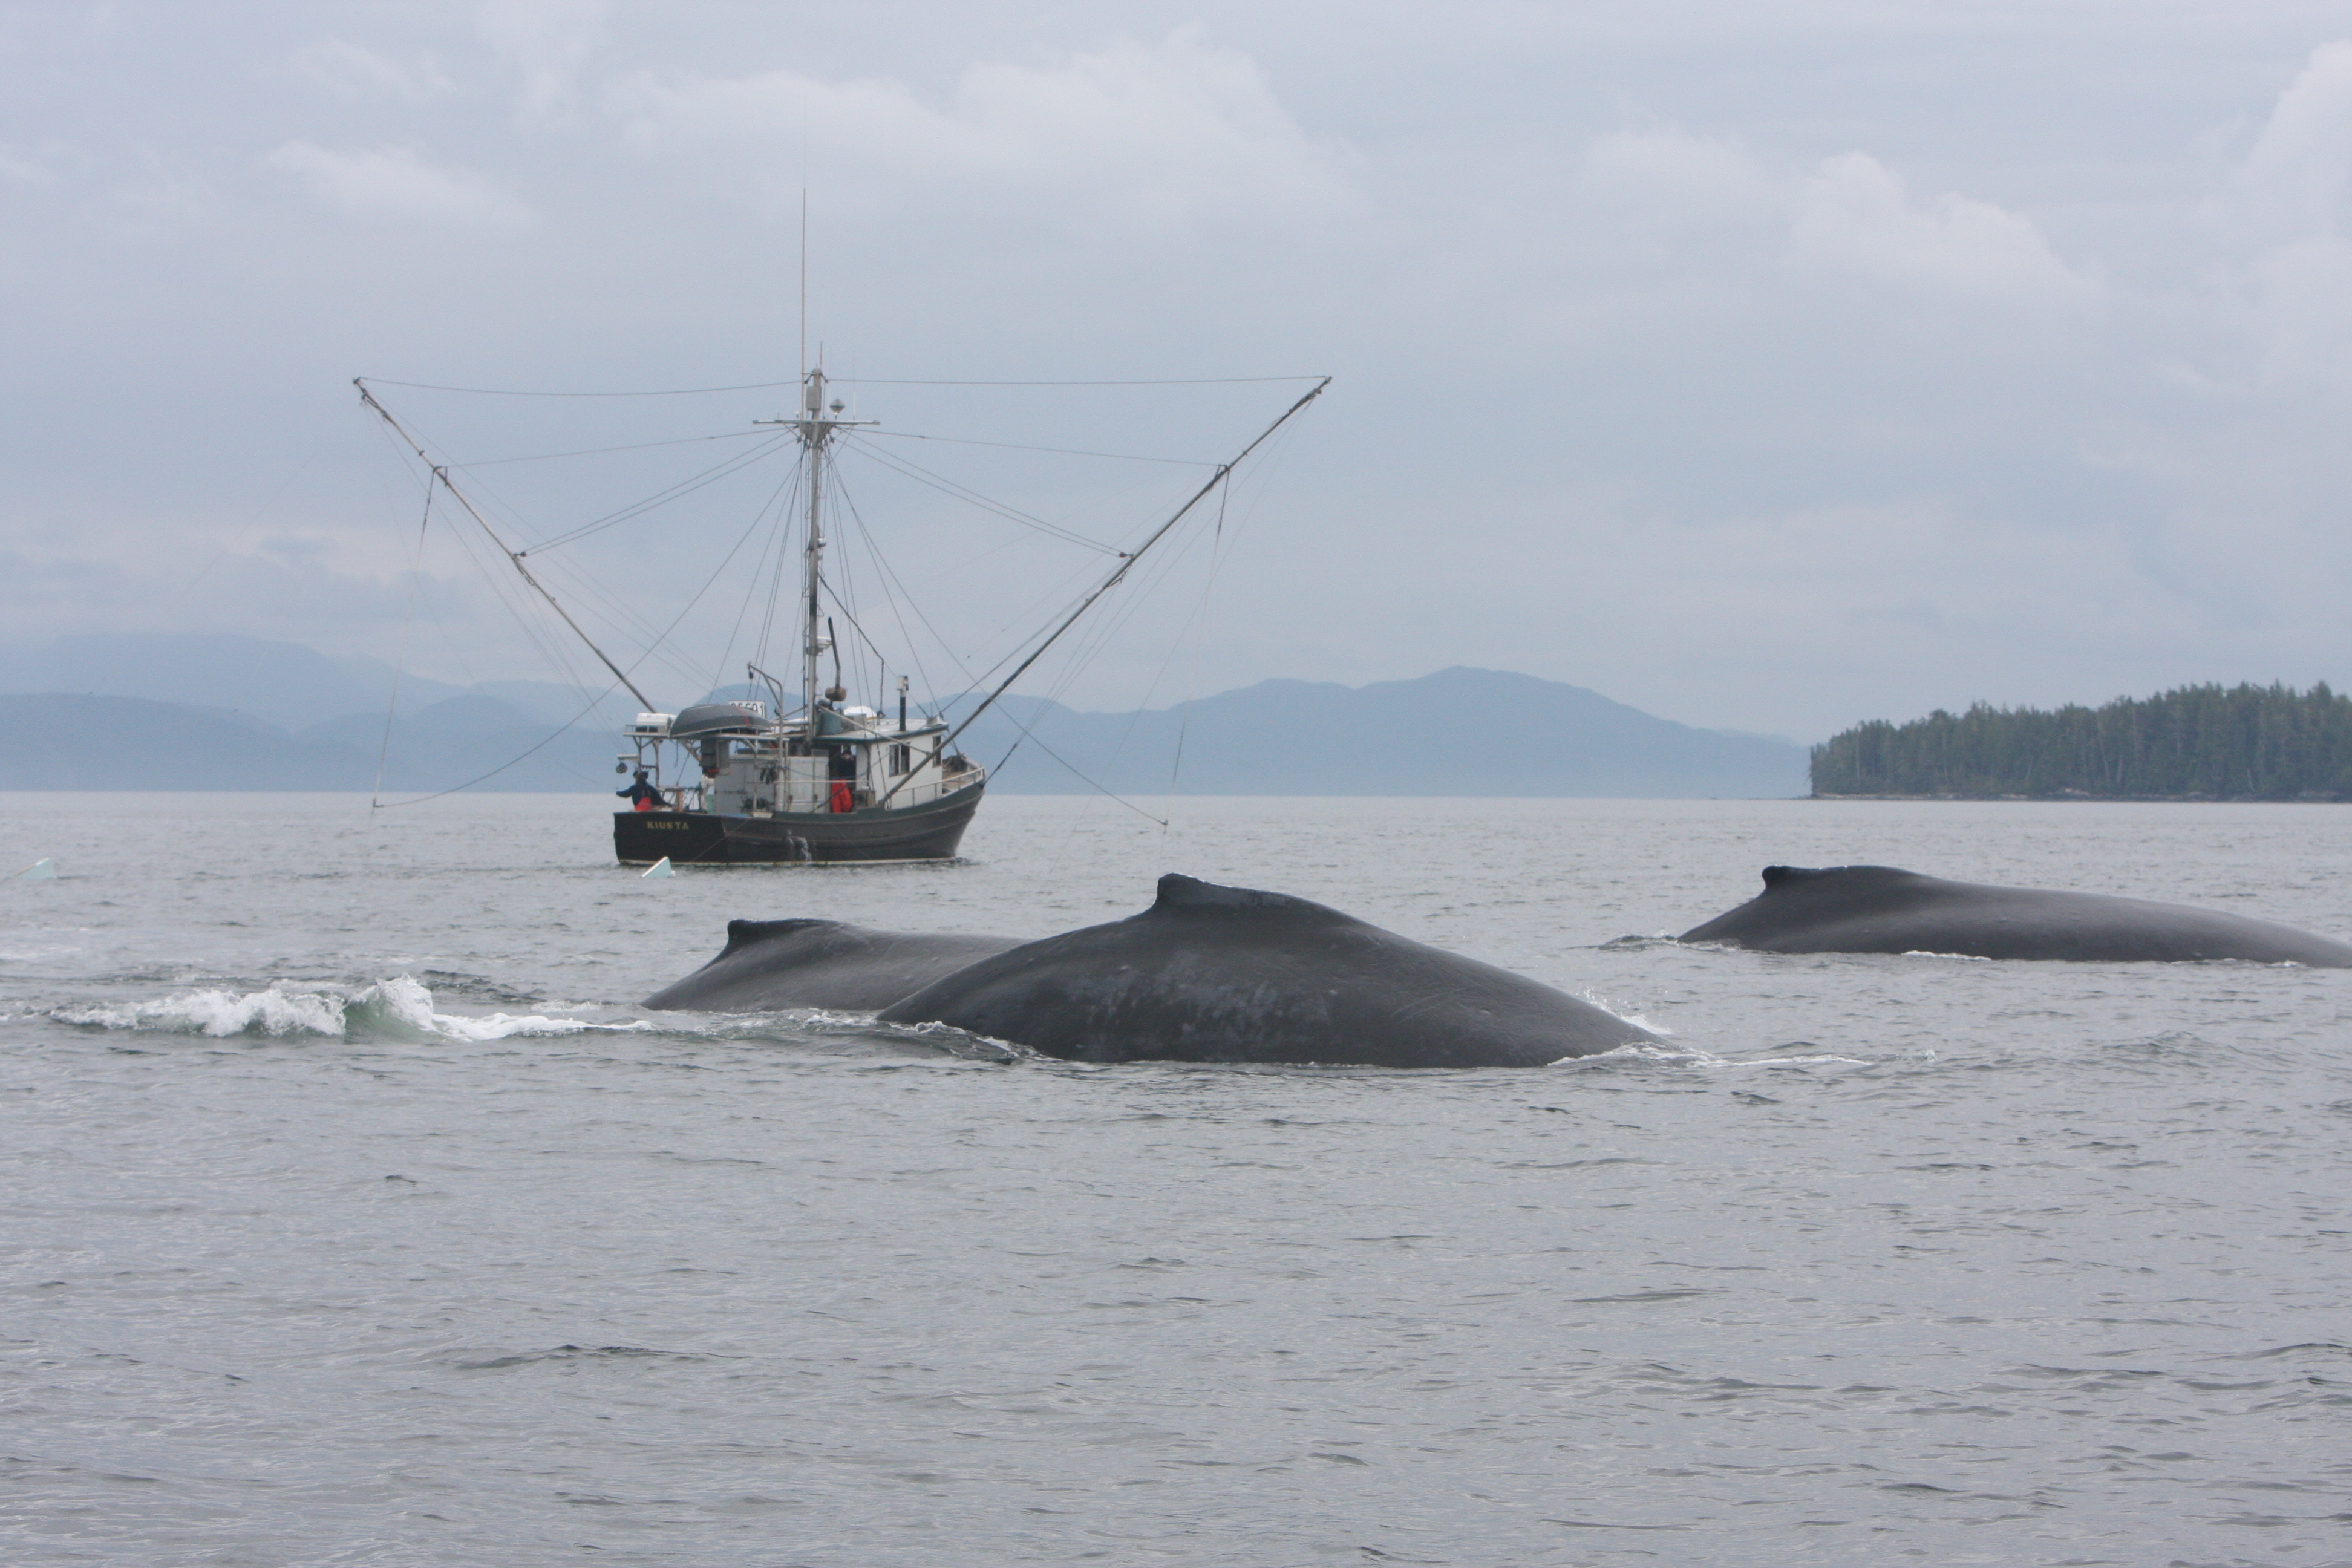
(800, 796)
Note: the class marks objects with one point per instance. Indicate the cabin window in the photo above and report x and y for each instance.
(902, 759)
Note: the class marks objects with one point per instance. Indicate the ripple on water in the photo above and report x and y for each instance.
(439, 1249)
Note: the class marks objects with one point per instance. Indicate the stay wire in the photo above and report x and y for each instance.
(375, 802)
(1092, 645)
(1058, 451)
(529, 615)
(757, 519)
(400, 659)
(1200, 629)
(1029, 736)
(1088, 650)
(526, 613)
(421, 468)
(660, 497)
(1191, 381)
(604, 451)
(593, 703)
(898, 594)
(781, 540)
(851, 381)
(505, 392)
(971, 496)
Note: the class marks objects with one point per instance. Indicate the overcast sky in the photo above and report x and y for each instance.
(1766, 367)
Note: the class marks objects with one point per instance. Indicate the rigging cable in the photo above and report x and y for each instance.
(400, 660)
(1058, 451)
(1103, 502)
(1191, 381)
(558, 654)
(1029, 736)
(501, 587)
(417, 585)
(662, 498)
(604, 451)
(946, 485)
(621, 679)
(1124, 567)
(442, 475)
(898, 593)
(593, 703)
(757, 519)
(1200, 636)
(852, 380)
(506, 391)
(778, 540)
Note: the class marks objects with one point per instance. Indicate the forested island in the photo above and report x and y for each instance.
(2198, 743)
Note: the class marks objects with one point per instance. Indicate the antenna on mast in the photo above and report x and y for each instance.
(803, 280)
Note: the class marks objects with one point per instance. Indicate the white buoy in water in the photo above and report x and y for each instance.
(661, 868)
(41, 870)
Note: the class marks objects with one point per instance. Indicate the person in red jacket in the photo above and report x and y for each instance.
(842, 769)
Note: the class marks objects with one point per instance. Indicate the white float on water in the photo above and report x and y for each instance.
(40, 870)
(661, 868)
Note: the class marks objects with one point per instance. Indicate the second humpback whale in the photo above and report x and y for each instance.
(1878, 909)
(771, 964)
(1230, 974)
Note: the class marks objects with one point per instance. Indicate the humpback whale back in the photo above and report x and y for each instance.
(1881, 908)
(771, 964)
(1210, 974)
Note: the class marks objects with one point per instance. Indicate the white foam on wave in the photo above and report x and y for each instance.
(400, 1007)
(1955, 957)
(1652, 1051)
(219, 1014)
(1819, 1061)
(1625, 1014)
(1662, 1055)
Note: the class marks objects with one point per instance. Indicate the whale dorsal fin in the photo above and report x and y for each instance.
(1178, 891)
(1791, 876)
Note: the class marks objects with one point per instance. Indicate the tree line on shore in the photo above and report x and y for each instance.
(2245, 742)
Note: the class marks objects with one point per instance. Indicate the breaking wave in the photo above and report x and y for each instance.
(397, 1008)
(1663, 1053)
(1620, 1011)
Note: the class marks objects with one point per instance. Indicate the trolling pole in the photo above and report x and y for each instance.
(514, 556)
(1114, 579)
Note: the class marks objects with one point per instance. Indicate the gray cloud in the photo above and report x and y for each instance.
(1765, 371)
(396, 185)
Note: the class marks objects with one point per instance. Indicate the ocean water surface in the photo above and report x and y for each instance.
(355, 1213)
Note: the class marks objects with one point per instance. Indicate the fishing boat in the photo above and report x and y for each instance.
(805, 776)
(828, 781)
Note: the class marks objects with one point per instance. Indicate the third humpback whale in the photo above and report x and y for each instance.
(1879, 909)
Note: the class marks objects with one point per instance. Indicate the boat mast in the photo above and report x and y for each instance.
(815, 427)
(815, 431)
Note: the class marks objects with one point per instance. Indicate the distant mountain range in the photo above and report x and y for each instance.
(220, 712)
(1457, 732)
(225, 712)
(280, 683)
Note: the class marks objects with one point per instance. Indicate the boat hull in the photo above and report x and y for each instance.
(928, 832)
